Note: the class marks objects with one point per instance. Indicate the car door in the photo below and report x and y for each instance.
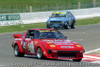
(28, 43)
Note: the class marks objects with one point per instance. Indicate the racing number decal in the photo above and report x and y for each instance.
(31, 47)
(24, 45)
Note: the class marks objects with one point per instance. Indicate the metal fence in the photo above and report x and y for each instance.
(9, 8)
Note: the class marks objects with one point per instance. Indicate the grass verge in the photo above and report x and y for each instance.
(23, 27)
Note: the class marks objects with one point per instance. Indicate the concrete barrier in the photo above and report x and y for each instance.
(37, 17)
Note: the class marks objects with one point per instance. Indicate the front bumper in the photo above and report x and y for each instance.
(65, 55)
(56, 26)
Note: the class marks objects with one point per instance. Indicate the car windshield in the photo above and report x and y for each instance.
(49, 34)
(69, 14)
(58, 15)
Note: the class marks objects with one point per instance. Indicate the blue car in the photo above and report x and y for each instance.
(61, 19)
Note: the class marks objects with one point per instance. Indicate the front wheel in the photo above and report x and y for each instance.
(17, 52)
(77, 60)
(66, 26)
(39, 53)
(48, 26)
(73, 25)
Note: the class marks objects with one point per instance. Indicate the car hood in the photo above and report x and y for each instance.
(58, 19)
(62, 44)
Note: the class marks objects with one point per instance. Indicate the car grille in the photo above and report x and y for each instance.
(69, 51)
(67, 54)
(55, 22)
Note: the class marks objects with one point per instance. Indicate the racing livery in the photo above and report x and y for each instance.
(46, 43)
(61, 19)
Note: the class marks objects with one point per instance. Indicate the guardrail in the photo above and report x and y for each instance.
(37, 17)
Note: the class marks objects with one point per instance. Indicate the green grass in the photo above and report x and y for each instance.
(23, 27)
(95, 20)
(10, 6)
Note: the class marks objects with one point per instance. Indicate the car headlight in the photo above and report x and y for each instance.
(52, 51)
(49, 51)
(79, 46)
(66, 23)
(63, 22)
(48, 22)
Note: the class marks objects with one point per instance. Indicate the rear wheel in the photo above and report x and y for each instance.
(17, 52)
(77, 60)
(39, 53)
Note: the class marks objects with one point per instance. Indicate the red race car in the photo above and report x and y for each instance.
(46, 43)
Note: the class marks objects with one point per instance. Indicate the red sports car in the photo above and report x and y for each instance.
(46, 43)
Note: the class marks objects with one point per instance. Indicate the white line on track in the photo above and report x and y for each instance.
(92, 51)
(91, 57)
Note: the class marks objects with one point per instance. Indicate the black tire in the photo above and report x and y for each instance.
(73, 25)
(48, 26)
(66, 27)
(77, 60)
(17, 52)
(40, 54)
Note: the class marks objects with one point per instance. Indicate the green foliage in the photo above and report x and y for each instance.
(10, 6)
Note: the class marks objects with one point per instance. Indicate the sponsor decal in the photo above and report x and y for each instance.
(52, 46)
(61, 42)
(28, 48)
(36, 42)
(66, 57)
(24, 45)
(58, 40)
(31, 47)
(59, 13)
(49, 42)
(67, 47)
(6, 23)
(47, 31)
(10, 19)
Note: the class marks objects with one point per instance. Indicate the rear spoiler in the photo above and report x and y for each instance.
(17, 35)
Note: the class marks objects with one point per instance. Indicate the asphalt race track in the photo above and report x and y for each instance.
(88, 36)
